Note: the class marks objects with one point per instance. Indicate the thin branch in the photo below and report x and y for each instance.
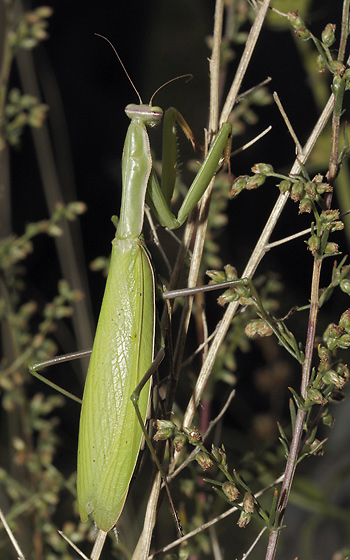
(74, 546)
(287, 239)
(287, 121)
(11, 537)
(243, 64)
(247, 93)
(253, 545)
(251, 142)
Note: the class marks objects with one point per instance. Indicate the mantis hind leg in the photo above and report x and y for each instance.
(34, 368)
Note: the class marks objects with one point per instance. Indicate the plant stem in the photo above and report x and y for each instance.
(314, 307)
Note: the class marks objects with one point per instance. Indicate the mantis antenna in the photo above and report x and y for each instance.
(189, 76)
(122, 65)
(130, 80)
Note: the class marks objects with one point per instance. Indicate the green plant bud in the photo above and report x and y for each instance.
(331, 248)
(321, 63)
(219, 455)
(337, 68)
(238, 185)
(347, 78)
(227, 297)
(344, 341)
(255, 181)
(184, 553)
(246, 301)
(344, 321)
(323, 188)
(332, 378)
(328, 420)
(244, 519)
(217, 276)
(303, 33)
(28, 309)
(230, 490)
(231, 272)
(77, 207)
(305, 205)
(284, 186)
(37, 115)
(336, 226)
(44, 12)
(295, 20)
(316, 446)
(345, 286)
(297, 191)
(258, 327)
(310, 189)
(332, 343)
(328, 216)
(18, 444)
(343, 370)
(323, 354)
(328, 35)
(248, 502)
(27, 101)
(336, 84)
(54, 230)
(313, 244)
(316, 396)
(20, 120)
(263, 168)
(193, 435)
(179, 442)
(204, 460)
(243, 291)
(334, 331)
(165, 429)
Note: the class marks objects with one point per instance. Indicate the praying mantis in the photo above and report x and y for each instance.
(110, 433)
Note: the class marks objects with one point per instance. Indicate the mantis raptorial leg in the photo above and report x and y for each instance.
(110, 431)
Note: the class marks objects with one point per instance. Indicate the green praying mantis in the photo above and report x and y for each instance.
(110, 433)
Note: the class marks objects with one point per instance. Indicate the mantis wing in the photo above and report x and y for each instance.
(110, 434)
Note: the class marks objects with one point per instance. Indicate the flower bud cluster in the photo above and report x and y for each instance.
(30, 29)
(331, 376)
(300, 29)
(260, 170)
(327, 222)
(22, 110)
(338, 336)
(206, 459)
(328, 35)
(165, 429)
(326, 386)
(305, 192)
(299, 26)
(230, 490)
(240, 293)
(258, 327)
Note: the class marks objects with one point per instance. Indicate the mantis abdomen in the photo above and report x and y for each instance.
(122, 353)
